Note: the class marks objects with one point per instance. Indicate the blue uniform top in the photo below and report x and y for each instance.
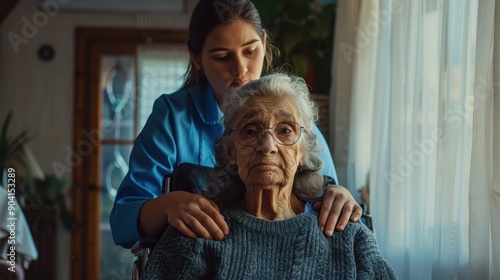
(181, 128)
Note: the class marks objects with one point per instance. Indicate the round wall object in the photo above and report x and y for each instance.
(46, 52)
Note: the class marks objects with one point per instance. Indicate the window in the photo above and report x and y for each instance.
(160, 70)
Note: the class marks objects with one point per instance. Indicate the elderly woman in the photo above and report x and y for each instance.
(265, 159)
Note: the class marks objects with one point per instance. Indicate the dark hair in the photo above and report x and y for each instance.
(209, 14)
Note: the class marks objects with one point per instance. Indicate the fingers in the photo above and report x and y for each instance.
(357, 212)
(196, 216)
(181, 226)
(206, 220)
(337, 209)
(340, 218)
(332, 216)
(324, 211)
(219, 219)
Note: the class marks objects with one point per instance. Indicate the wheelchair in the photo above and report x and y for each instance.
(186, 177)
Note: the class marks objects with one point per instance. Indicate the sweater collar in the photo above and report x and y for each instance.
(287, 226)
(206, 105)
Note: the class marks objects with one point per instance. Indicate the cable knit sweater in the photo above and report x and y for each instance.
(260, 249)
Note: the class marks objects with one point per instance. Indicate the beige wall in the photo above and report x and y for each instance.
(342, 71)
(40, 94)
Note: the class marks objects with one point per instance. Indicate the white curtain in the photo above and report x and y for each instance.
(424, 132)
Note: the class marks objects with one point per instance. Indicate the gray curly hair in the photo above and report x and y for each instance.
(308, 181)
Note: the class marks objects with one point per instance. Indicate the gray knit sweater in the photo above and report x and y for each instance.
(262, 249)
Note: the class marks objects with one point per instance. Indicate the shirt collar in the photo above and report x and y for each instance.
(206, 105)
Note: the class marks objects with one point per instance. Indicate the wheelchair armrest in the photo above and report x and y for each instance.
(141, 251)
(145, 243)
(366, 218)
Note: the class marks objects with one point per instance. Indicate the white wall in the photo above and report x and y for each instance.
(40, 94)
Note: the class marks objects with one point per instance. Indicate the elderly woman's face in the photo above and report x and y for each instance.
(267, 163)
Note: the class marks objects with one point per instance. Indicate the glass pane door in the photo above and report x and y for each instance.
(118, 133)
(126, 104)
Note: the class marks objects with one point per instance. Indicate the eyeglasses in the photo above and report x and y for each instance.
(284, 133)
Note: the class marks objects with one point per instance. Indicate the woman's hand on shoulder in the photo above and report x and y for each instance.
(195, 216)
(337, 209)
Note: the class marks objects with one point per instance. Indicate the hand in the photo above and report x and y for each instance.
(195, 216)
(337, 209)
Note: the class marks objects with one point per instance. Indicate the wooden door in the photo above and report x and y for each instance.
(93, 45)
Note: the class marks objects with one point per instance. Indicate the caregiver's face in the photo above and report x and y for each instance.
(233, 54)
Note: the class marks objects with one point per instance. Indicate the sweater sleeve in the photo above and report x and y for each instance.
(369, 261)
(175, 257)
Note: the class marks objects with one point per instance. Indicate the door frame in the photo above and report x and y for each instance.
(90, 45)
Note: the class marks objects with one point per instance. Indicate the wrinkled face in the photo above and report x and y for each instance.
(232, 55)
(267, 162)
